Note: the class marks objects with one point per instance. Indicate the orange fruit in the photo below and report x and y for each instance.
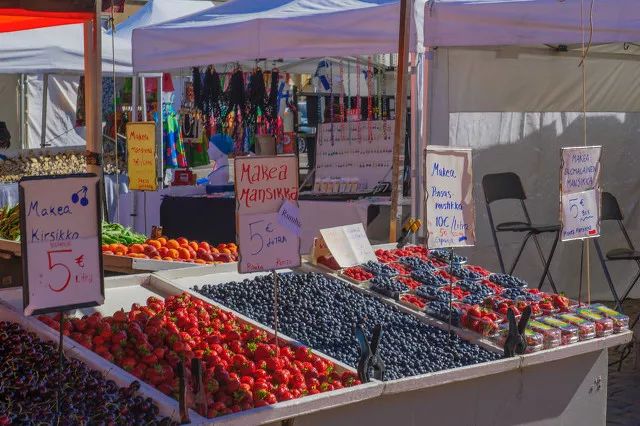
(137, 248)
(194, 245)
(173, 244)
(114, 247)
(162, 241)
(182, 240)
(154, 243)
(184, 254)
(120, 253)
(157, 257)
(163, 251)
(199, 261)
(232, 246)
(106, 247)
(204, 246)
(226, 250)
(168, 259)
(214, 250)
(174, 253)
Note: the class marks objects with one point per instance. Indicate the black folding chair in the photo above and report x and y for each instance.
(610, 210)
(507, 186)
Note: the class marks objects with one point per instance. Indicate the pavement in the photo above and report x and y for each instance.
(623, 406)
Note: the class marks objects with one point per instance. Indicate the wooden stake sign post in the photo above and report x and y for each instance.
(450, 208)
(60, 241)
(267, 219)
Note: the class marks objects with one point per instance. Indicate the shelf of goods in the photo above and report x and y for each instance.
(573, 376)
(121, 292)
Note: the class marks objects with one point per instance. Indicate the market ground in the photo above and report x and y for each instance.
(623, 406)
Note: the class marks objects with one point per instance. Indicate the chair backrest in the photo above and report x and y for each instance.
(502, 186)
(610, 209)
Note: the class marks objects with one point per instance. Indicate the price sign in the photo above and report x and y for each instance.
(450, 209)
(267, 237)
(61, 239)
(348, 245)
(580, 192)
(141, 156)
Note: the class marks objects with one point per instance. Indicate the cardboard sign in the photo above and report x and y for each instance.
(450, 208)
(61, 239)
(349, 245)
(262, 185)
(141, 156)
(580, 192)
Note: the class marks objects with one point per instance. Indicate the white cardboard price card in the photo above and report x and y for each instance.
(263, 185)
(580, 192)
(450, 208)
(61, 239)
(348, 245)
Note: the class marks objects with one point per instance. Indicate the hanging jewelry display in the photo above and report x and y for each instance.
(349, 106)
(273, 102)
(237, 101)
(370, 95)
(331, 112)
(384, 112)
(358, 100)
(197, 88)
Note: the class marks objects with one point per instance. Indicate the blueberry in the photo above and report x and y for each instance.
(428, 278)
(380, 269)
(445, 256)
(507, 281)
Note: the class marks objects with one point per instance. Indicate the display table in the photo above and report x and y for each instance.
(212, 218)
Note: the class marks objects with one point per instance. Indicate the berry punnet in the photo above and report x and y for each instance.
(322, 313)
(31, 377)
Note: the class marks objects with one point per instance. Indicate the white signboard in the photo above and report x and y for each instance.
(450, 209)
(263, 185)
(61, 240)
(580, 192)
(348, 245)
(361, 150)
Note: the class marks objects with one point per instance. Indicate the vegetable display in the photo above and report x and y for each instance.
(114, 233)
(10, 223)
(31, 378)
(243, 367)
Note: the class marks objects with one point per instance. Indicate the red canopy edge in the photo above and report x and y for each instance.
(20, 15)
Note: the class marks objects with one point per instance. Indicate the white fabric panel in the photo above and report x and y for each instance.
(9, 110)
(9, 194)
(61, 111)
(526, 22)
(538, 79)
(529, 144)
(56, 49)
(243, 30)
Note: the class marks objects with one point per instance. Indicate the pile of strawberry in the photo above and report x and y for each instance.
(402, 270)
(481, 320)
(386, 256)
(410, 282)
(357, 273)
(243, 366)
(416, 301)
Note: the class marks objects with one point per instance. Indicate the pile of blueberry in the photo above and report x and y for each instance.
(464, 273)
(416, 264)
(440, 310)
(432, 293)
(475, 288)
(380, 269)
(519, 294)
(428, 278)
(388, 286)
(322, 313)
(474, 299)
(445, 256)
(507, 281)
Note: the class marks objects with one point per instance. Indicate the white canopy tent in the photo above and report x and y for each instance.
(505, 80)
(245, 30)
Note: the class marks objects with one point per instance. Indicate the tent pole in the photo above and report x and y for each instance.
(45, 97)
(401, 114)
(22, 114)
(424, 137)
(415, 135)
(143, 99)
(159, 134)
(134, 99)
(93, 92)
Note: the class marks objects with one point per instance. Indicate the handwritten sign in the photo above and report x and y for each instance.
(263, 185)
(289, 217)
(450, 209)
(61, 240)
(361, 150)
(349, 245)
(141, 156)
(580, 192)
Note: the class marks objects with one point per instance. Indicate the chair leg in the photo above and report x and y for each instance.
(515, 261)
(548, 264)
(607, 275)
(544, 261)
(633, 283)
(495, 238)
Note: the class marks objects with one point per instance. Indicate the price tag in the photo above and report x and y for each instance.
(580, 215)
(580, 192)
(61, 239)
(450, 208)
(348, 245)
(264, 186)
(141, 156)
(289, 217)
